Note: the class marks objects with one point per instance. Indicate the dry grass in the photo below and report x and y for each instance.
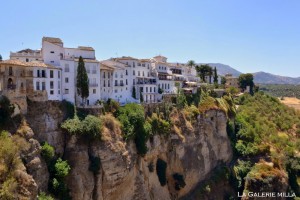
(291, 102)
(112, 134)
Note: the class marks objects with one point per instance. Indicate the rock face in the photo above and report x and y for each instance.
(124, 175)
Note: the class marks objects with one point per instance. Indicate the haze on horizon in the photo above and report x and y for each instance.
(250, 36)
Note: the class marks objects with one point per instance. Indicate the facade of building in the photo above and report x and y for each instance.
(124, 79)
(231, 81)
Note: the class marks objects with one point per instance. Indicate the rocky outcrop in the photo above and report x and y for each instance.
(124, 175)
(193, 154)
(45, 118)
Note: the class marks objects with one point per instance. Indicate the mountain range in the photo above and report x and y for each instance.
(259, 77)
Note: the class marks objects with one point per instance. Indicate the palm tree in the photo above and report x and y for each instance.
(191, 63)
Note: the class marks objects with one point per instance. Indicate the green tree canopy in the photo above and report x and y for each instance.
(215, 76)
(191, 63)
(246, 80)
(204, 70)
(82, 80)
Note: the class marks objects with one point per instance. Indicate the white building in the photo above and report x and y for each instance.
(63, 86)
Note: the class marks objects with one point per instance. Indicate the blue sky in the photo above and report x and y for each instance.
(249, 35)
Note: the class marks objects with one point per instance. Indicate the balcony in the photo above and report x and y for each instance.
(11, 86)
(93, 84)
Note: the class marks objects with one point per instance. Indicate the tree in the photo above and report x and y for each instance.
(215, 76)
(191, 63)
(204, 70)
(141, 97)
(210, 73)
(0, 57)
(223, 80)
(82, 80)
(133, 92)
(246, 80)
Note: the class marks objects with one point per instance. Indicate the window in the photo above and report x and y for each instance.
(58, 84)
(116, 82)
(51, 73)
(139, 73)
(148, 74)
(94, 70)
(104, 83)
(43, 73)
(52, 61)
(103, 74)
(51, 92)
(133, 64)
(126, 82)
(143, 74)
(58, 74)
(38, 73)
(37, 85)
(43, 86)
(94, 91)
(66, 80)
(121, 83)
(67, 69)
(87, 69)
(108, 83)
(121, 75)
(10, 71)
(108, 75)
(116, 91)
(154, 89)
(150, 89)
(58, 92)
(51, 85)
(146, 89)
(133, 81)
(116, 75)
(126, 72)
(133, 72)
(51, 51)
(27, 60)
(66, 91)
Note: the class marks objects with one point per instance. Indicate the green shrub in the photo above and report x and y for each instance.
(62, 168)
(158, 125)
(47, 152)
(161, 167)
(6, 110)
(90, 126)
(44, 196)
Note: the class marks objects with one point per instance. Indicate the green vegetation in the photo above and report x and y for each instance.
(133, 92)
(161, 167)
(215, 76)
(90, 127)
(44, 196)
(246, 80)
(268, 130)
(133, 125)
(283, 90)
(6, 109)
(82, 80)
(159, 125)
(58, 170)
(203, 71)
(47, 152)
(11, 147)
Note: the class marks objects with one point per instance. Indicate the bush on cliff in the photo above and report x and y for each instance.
(90, 127)
(133, 125)
(159, 125)
(6, 109)
(47, 152)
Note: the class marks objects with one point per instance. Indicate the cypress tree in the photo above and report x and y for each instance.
(0, 57)
(133, 92)
(82, 80)
(215, 76)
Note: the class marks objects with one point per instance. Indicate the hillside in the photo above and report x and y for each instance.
(267, 78)
(225, 69)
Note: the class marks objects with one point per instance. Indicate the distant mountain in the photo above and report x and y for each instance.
(267, 78)
(225, 69)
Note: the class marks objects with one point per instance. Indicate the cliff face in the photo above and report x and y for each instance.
(125, 175)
